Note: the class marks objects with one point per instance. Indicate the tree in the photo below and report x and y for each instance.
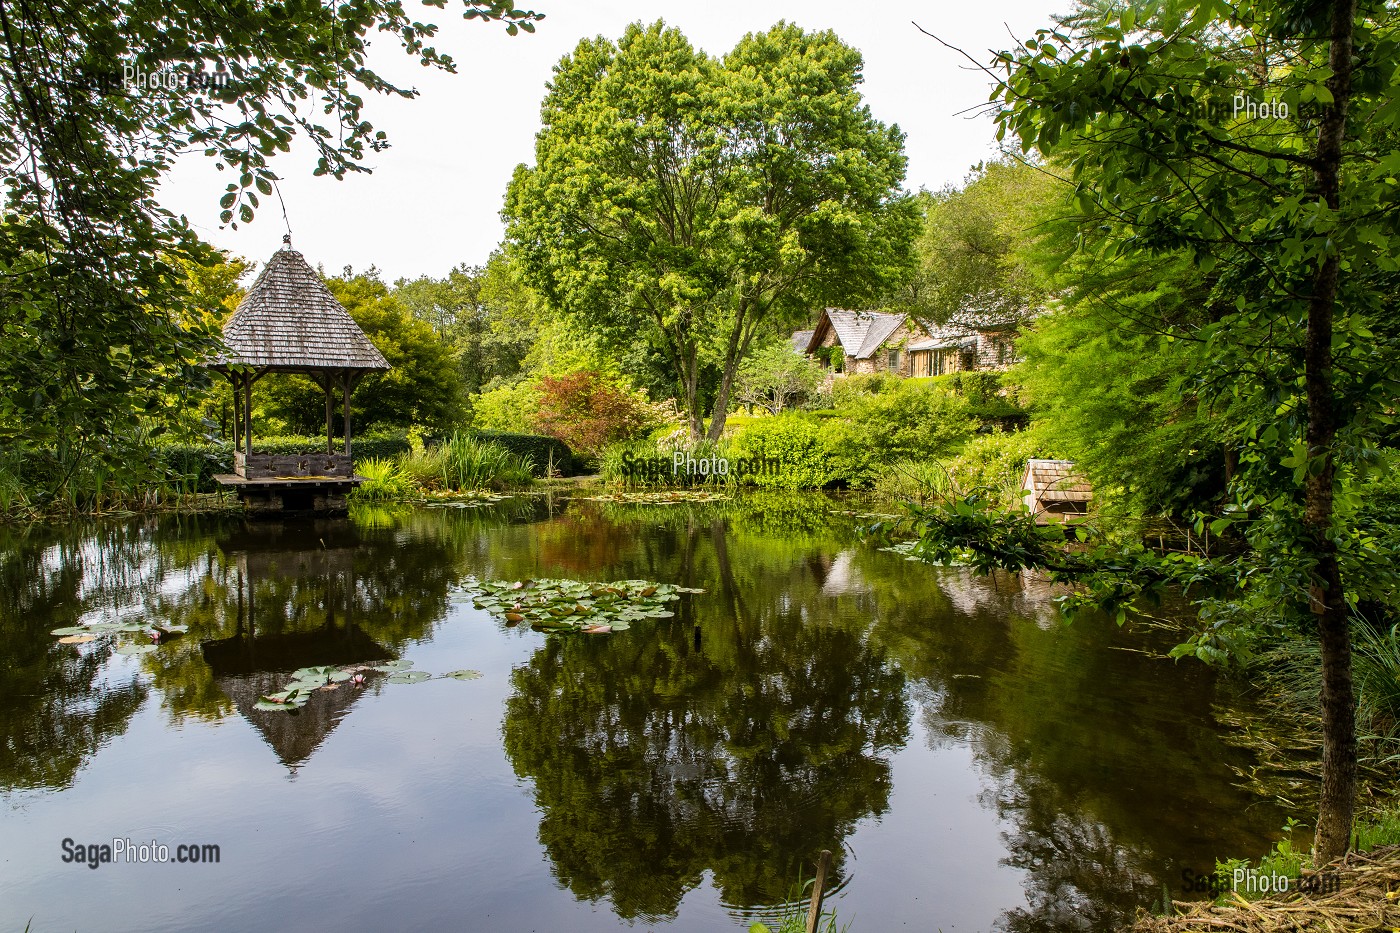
(1173, 153)
(96, 103)
(973, 253)
(478, 312)
(776, 376)
(690, 204)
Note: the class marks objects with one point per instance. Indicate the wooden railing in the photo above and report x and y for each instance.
(271, 466)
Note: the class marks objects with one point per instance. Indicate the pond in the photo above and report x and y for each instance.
(972, 763)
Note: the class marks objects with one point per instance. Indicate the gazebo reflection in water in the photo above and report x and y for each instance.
(296, 604)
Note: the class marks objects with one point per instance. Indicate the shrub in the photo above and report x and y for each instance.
(588, 412)
(995, 462)
(542, 451)
(650, 463)
(796, 444)
(909, 421)
(847, 390)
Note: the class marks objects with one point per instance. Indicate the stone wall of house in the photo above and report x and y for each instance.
(995, 351)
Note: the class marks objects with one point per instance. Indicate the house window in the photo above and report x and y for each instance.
(944, 362)
(894, 361)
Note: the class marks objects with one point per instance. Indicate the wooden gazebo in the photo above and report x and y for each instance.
(289, 322)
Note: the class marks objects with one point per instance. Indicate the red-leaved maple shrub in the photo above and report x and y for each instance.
(588, 412)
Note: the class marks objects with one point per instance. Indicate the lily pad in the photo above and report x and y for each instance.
(408, 677)
(463, 675)
(105, 627)
(174, 629)
(390, 667)
(76, 639)
(576, 606)
(70, 630)
(134, 649)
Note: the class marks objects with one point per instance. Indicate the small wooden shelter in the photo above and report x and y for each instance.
(1053, 490)
(289, 322)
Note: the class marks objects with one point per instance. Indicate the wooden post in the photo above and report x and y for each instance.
(327, 387)
(237, 412)
(346, 403)
(248, 415)
(814, 913)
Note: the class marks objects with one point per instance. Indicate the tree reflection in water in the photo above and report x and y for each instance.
(744, 751)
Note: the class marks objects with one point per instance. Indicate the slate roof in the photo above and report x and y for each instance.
(290, 322)
(880, 330)
(945, 337)
(1056, 481)
(860, 333)
(800, 339)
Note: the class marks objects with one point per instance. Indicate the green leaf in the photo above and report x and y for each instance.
(463, 675)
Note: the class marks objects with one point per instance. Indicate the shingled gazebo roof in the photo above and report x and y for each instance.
(290, 322)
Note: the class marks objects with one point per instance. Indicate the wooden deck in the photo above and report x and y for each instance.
(278, 494)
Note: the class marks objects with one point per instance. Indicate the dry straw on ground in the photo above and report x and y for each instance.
(1368, 902)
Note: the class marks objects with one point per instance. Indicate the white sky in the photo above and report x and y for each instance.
(434, 197)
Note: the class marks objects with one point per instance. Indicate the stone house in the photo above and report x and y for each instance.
(882, 342)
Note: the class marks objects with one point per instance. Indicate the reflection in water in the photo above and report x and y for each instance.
(59, 706)
(1106, 762)
(732, 742)
(656, 757)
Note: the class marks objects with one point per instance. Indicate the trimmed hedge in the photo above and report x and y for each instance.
(538, 448)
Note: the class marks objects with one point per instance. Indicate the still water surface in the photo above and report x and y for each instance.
(973, 764)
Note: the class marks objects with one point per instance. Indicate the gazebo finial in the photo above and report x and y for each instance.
(287, 240)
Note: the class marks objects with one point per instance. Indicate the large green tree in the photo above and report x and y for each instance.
(481, 312)
(96, 103)
(1256, 140)
(975, 261)
(689, 203)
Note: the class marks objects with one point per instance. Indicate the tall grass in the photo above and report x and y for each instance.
(467, 463)
(921, 481)
(1292, 673)
(1376, 668)
(384, 479)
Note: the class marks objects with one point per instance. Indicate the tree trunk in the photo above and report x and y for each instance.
(1326, 601)
(734, 353)
(720, 413)
(690, 393)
